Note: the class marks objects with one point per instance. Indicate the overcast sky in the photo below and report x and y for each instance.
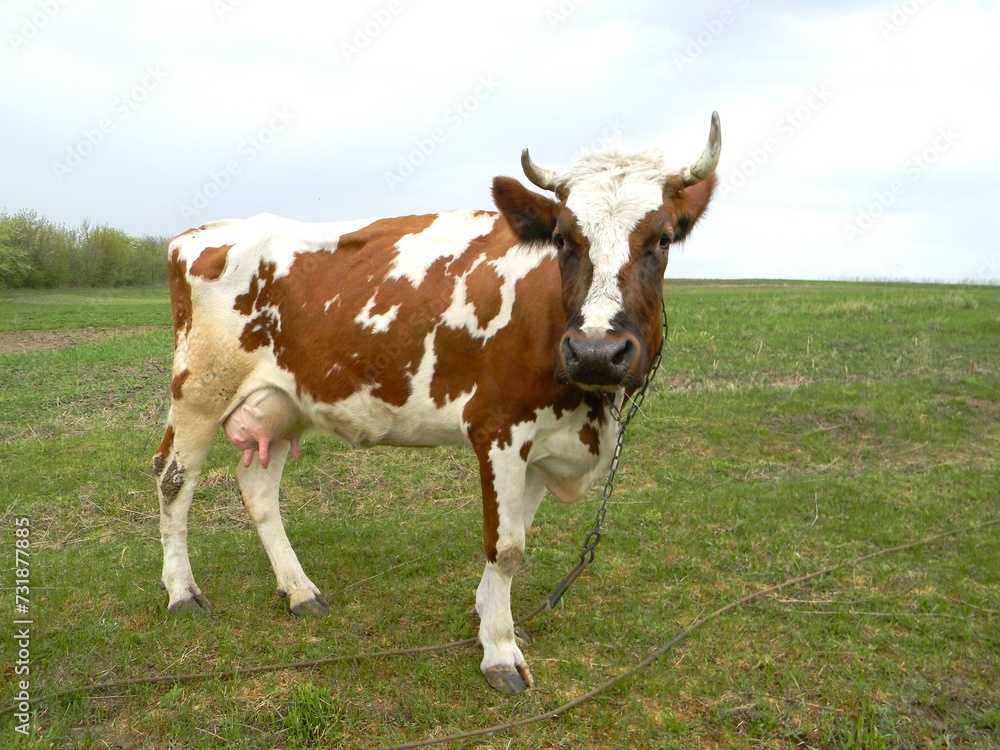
(859, 138)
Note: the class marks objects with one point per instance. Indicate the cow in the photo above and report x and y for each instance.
(518, 333)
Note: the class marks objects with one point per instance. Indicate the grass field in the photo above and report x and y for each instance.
(793, 426)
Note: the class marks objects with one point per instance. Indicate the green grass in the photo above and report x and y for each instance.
(34, 309)
(792, 426)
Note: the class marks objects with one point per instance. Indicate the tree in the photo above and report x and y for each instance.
(14, 267)
(34, 252)
(106, 253)
(149, 263)
(18, 238)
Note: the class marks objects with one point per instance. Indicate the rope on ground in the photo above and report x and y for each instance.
(552, 714)
(241, 671)
(557, 712)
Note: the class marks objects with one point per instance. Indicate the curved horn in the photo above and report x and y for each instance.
(543, 178)
(709, 158)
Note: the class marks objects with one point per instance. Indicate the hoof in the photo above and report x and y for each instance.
(317, 607)
(509, 681)
(196, 605)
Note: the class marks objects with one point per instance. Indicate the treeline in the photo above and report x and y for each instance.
(35, 252)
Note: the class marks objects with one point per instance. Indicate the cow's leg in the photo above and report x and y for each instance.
(534, 490)
(177, 464)
(510, 499)
(259, 488)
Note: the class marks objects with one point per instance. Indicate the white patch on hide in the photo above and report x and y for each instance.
(376, 323)
(447, 237)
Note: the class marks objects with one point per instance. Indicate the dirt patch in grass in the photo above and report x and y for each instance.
(43, 341)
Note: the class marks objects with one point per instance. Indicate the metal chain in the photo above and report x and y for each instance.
(593, 537)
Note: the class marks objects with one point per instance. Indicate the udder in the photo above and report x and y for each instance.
(265, 417)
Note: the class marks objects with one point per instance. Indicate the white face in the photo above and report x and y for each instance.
(616, 216)
(608, 208)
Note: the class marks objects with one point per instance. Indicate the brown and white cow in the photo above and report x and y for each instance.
(509, 332)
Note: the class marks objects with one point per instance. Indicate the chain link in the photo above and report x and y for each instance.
(593, 537)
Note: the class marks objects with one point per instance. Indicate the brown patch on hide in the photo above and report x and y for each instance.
(160, 458)
(211, 263)
(177, 384)
(180, 294)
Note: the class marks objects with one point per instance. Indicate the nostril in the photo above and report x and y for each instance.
(569, 351)
(622, 354)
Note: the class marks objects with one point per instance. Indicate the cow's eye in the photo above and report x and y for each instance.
(559, 240)
(664, 240)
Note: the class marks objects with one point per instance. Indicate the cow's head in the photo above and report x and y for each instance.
(616, 216)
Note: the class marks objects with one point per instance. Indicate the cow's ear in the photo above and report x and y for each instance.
(530, 215)
(688, 204)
